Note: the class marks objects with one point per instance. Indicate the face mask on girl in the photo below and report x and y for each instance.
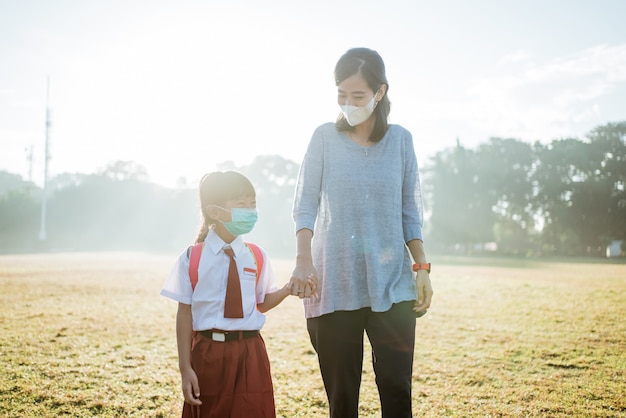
(242, 220)
(355, 115)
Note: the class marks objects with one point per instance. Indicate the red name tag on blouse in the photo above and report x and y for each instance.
(249, 270)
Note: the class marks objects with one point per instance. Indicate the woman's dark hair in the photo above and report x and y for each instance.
(216, 189)
(369, 65)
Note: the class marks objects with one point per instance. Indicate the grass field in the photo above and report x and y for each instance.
(86, 335)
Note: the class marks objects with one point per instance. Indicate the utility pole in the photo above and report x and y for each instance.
(42, 231)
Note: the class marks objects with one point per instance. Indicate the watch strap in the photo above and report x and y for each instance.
(421, 266)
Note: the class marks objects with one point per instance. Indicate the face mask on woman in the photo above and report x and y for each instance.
(355, 115)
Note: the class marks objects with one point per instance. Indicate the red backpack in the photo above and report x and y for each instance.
(196, 252)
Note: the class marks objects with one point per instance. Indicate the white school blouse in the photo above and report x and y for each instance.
(207, 300)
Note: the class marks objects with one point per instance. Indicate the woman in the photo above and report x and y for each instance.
(358, 216)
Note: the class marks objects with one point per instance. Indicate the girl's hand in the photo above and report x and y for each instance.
(191, 389)
(312, 282)
(424, 291)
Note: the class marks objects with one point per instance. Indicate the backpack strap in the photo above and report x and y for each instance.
(196, 252)
(194, 263)
(258, 258)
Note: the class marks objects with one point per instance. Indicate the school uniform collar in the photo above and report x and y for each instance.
(216, 244)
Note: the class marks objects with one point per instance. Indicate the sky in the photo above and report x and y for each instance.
(180, 86)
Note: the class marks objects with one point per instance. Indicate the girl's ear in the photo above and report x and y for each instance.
(213, 211)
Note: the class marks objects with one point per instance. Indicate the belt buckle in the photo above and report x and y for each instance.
(218, 336)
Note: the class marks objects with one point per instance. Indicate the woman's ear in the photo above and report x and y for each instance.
(382, 90)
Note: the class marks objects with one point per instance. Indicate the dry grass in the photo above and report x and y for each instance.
(87, 335)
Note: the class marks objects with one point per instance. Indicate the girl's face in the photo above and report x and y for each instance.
(222, 212)
(354, 91)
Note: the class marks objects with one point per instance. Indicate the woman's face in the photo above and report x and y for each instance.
(354, 91)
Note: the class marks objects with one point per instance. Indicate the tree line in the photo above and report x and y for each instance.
(567, 197)
(507, 196)
(119, 209)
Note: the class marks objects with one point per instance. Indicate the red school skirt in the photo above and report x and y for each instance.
(234, 378)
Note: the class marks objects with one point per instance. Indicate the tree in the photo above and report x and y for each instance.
(504, 168)
(459, 215)
(580, 191)
(10, 181)
(482, 195)
(558, 168)
(104, 212)
(124, 170)
(609, 144)
(19, 219)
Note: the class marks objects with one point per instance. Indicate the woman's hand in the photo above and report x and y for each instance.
(422, 279)
(303, 282)
(424, 291)
(191, 389)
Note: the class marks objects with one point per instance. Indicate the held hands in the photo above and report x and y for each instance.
(424, 292)
(191, 389)
(303, 282)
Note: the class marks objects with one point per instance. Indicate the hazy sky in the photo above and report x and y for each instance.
(178, 86)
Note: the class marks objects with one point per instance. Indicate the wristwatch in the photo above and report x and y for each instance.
(421, 266)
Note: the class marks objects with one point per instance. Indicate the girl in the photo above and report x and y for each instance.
(358, 216)
(223, 362)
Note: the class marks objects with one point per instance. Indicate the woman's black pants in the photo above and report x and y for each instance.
(338, 340)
